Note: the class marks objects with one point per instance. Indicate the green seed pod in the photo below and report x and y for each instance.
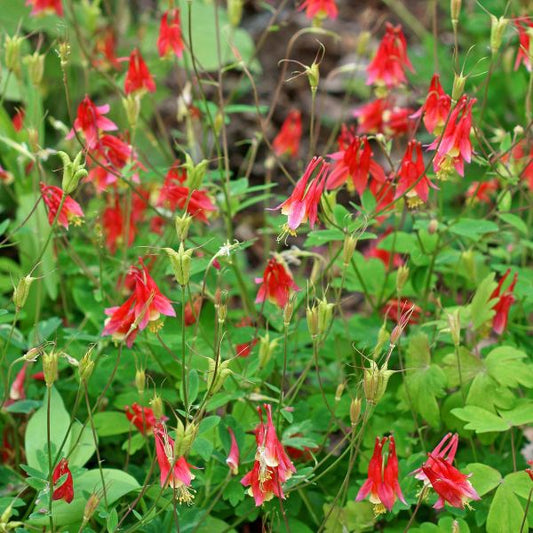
(86, 366)
(132, 107)
(401, 277)
(325, 316)
(157, 406)
(311, 314)
(183, 224)
(375, 382)
(454, 322)
(140, 380)
(497, 29)
(355, 411)
(73, 171)
(12, 54)
(348, 249)
(235, 12)
(22, 291)
(183, 445)
(35, 64)
(50, 365)
(181, 263)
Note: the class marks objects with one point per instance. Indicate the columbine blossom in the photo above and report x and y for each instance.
(113, 224)
(276, 284)
(412, 179)
(143, 307)
(272, 466)
(481, 191)
(445, 450)
(453, 146)
(319, 8)
(354, 164)
(70, 210)
(17, 391)
(233, 458)
(505, 300)
(66, 490)
(142, 418)
(387, 69)
(383, 116)
(244, 349)
(287, 141)
(382, 482)
(175, 471)
(302, 204)
(436, 108)
(90, 121)
(138, 78)
(170, 40)
(45, 6)
(524, 25)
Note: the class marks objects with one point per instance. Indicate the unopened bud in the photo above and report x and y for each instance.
(355, 411)
(455, 10)
(235, 12)
(22, 291)
(32, 354)
(458, 87)
(183, 224)
(140, 380)
(181, 263)
(157, 406)
(50, 361)
(132, 107)
(401, 277)
(90, 507)
(433, 226)
(383, 337)
(184, 439)
(348, 249)
(339, 391)
(35, 64)
(73, 171)
(12, 54)
(497, 29)
(454, 322)
(375, 382)
(86, 366)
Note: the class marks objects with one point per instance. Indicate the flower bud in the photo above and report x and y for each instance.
(433, 226)
(458, 86)
(184, 439)
(73, 171)
(157, 406)
(35, 64)
(181, 263)
(50, 367)
(348, 249)
(32, 354)
(132, 107)
(454, 322)
(375, 382)
(140, 380)
(90, 507)
(86, 366)
(12, 54)
(235, 12)
(355, 411)
(401, 277)
(339, 391)
(497, 29)
(22, 291)
(183, 224)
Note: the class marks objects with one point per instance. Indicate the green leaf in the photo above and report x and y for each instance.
(486, 393)
(473, 228)
(480, 420)
(321, 237)
(425, 381)
(481, 307)
(203, 447)
(82, 445)
(519, 483)
(111, 423)
(519, 415)
(35, 440)
(484, 478)
(194, 384)
(506, 512)
(506, 365)
(208, 423)
(515, 221)
(469, 364)
(23, 406)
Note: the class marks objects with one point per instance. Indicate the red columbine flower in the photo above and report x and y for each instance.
(382, 116)
(244, 349)
(272, 466)
(16, 391)
(445, 450)
(356, 163)
(142, 418)
(18, 119)
(402, 311)
(192, 312)
(276, 284)
(105, 50)
(45, 6)
(529, 471)
(482, 191)
(233, 458)
(113, 224)
(319, 8)
(138, 77)
(384, 256)
(455, 147)
(524, 26)
(382, 482)
(412, 176)
(436, 107)
(170, 40)
(143, 307)
(287, 141)
(387, 67)
(91, 121)
(503, 305)
(175, 472)
(302, 204)
(66, 490)
(70, 211)
(450, 484)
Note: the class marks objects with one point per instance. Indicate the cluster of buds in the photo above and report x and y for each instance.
(375, 380)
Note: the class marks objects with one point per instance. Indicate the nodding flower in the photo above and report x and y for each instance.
(276, 284)
(287, 141)
(66, 490)
(170, 38)
(505, 300)
(524, 25)
(233, 458)
(436, 108)
(45, 6)
(319, 8)
(138, 79)
(272, 465)
(71, 210)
